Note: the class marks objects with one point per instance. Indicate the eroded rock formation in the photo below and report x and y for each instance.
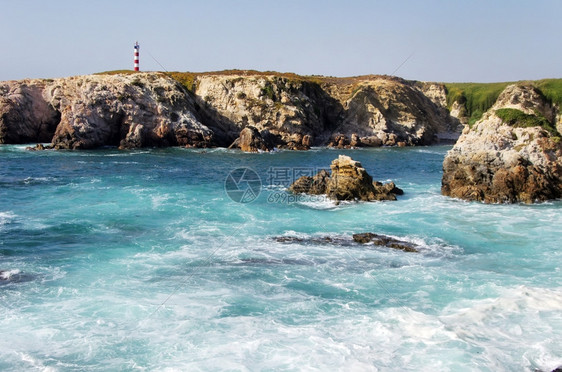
(348, 181)
(128, 111)
(152, 109)
(513, 154)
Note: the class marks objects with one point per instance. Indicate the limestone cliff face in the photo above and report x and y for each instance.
(397, 111)
(152, 109)
(288, 108)
(340, 112)
(25, 115)
(500, 160)
(97, 110)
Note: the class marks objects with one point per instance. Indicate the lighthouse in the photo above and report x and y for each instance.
(136, 65)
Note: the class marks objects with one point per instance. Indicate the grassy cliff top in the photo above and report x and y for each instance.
(476, 97)
(187, 79)
(479, 97)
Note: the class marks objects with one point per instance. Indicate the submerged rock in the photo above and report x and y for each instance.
(363, 238)
(385, 241)
(348, 181)
(513, 154)
(313, 240)
(38, 147)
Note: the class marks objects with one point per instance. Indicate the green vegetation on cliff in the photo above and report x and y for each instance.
(479, 97)
(552, 90)
(519, 119)
(476, 97)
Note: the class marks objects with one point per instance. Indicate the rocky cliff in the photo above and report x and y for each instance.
(97, 110)
(513, 154)
(394, 111)
(152, 109)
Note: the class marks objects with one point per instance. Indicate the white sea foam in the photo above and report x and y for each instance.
(321, 202)
(521, 320)
(7, 274)
(205, 287)
(6, 217)
(33, 180)
(35, 363)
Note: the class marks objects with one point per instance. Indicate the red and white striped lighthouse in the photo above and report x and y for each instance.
(137, 47)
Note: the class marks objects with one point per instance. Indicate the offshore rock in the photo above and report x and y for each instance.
(385, 241)
(513, 154)
(252, 140)
(363, 238)
(348, 181)
(311, 185)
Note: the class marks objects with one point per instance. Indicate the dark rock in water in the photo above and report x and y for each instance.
(13, 276)
(311, 185)
(348, 181)
(312, 240)
(385, 241)
(387, 191)
(559, 369)
(339, 141)
(363, 238)
(287, 239)
(252, 140)
(38, 147)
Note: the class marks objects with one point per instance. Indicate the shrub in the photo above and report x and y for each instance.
(476, 97)
(552, 90)
(137, 83)
(519, 119)
(267, 91)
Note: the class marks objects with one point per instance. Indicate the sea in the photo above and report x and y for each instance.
(200, 260)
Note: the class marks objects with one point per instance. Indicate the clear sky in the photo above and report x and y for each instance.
(432, 40)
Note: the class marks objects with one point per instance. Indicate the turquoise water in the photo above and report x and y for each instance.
(139, 260)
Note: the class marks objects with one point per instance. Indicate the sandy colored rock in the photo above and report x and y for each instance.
(251, 140)
(498, 162)
(25, 113)
(151, 109)
(348, 180)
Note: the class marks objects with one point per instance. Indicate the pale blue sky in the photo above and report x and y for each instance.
(447, 40)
